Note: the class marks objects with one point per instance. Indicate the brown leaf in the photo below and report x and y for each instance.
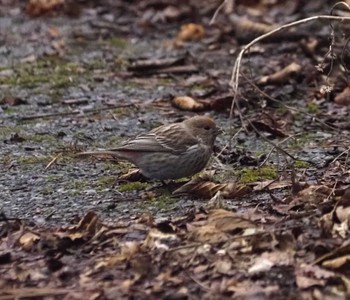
(88, 226)
(132, 175)
(54, 32)
(228, 221)
(190, 32)
(28, 239)
(273, 124)
(223, 266)
(13, 101)
(206, 234)
(189, 104)
(128, 250)
(343, 98)
(39, 7)
(207, 189)
(282, 75)
(157, 239)
(272, 185)
(337, 263)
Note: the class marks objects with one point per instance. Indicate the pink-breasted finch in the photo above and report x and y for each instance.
(170, 151)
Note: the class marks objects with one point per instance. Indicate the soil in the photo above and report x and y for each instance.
(74, 78)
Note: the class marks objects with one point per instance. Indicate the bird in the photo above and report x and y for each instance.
(170, 151)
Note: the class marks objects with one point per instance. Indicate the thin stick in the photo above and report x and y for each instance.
(216, 12)
(234, 82)
(285, 105)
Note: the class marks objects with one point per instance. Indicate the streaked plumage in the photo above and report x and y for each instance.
(170, 151)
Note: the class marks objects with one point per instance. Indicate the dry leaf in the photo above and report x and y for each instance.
(282, 75)
(207, 189)
(54, 32)
(28, 239)
(223, 266)
(190, 32)
(207, 234)
(38, 7)
(157, 239)
(128, 250)
(228, 221)
(189, 104)
(339, 262)
(343, 98)
(132, 175)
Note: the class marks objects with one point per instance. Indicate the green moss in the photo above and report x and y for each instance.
(47, 191)
(106, 181)
(10, 110)
(123, 111)
(163, 201)
(53, 178)
(281, 110)
(300, 141)
(53, 71)
(312, 108)
(301, 164)
(166, 81)
(31, 160)
(198, 88)
(119, 167)
(41, 138)
(77, 186)
(7, 131)
(133, 186)
(253, 175)
(118, 42)
(96, 63)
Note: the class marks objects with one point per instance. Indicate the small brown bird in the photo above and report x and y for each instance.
(170, 151)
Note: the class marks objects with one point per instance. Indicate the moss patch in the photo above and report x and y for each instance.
(253, 175)
(133, 186)
(54, 71)
(301, 164)
(312, 108)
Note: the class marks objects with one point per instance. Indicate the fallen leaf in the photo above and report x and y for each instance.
(228, 221)
(343, 98)
(206, 234)
(223, 266)
(337, 263)
(282, 75)
(39, 7)
(207, 189)
(189, 104)
(190, 32)
(28, 239)
(12, 101)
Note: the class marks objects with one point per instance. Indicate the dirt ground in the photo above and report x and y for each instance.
(268, 220)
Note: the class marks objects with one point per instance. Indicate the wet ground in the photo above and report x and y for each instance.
(90, 74)
(67, 84)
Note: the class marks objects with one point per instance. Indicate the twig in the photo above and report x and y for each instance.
(341, 154)
(234, 82)
(217, 11)
(204, 287)
(285, 105)
(273, 148)
(53, 160)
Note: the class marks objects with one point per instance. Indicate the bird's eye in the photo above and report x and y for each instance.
(207, 127)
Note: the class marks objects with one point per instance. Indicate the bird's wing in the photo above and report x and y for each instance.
(161, 139)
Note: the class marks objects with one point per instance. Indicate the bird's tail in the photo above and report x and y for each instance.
(98, 153)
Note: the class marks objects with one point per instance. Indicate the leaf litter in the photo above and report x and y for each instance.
(278, 234)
